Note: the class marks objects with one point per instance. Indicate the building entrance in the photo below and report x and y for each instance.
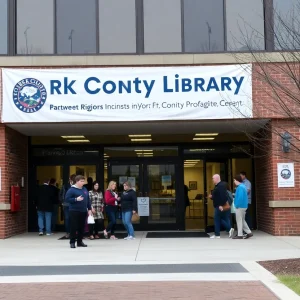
(156, 185)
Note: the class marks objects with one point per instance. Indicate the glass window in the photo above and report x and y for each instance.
(35, 27)
(194, 194)
(162, 193)
(76, 26)
(162, 26)
(3, 26)
(245, 25)
(203, 26)
(286, 24)
(117, 26)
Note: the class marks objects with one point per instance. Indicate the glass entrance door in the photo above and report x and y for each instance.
(212, 168)
(155, 186)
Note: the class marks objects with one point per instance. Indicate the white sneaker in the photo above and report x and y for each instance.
(49, 234)
(126, 238)
(131, 238)
(214, 237)
(41, 233)
(231, 231)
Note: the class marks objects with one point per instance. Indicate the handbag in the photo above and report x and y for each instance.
(226, 206)
(135, 218)
(91, 220)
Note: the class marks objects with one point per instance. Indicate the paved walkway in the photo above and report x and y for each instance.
(30, 249)
(138, 291)
(33, 267)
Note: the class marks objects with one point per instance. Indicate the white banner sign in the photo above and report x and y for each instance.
(143, 206)
(286, 175)
(126, 94)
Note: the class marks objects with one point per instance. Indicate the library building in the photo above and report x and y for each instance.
(161, 93)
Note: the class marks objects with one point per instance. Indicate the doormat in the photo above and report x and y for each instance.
(119, 235)
(176, 234)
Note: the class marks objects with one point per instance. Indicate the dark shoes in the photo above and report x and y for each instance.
(81, 244)
(237, 237)
(249, 235)
(72, 245)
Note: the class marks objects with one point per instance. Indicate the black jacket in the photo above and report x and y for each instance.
(129, 201)
(46, 197)
(219, 194)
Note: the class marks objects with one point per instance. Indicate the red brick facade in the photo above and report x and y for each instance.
(276, 221)
(14, 166)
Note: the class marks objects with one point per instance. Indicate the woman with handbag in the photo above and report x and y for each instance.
(111, 207)
(97, 204)
(241, 205)
(129, 208)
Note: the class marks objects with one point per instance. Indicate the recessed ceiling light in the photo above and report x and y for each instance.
(78, 141)
(141, 140)
(141, 150)
(203, 139)
(200, 150)
(73, 136)
(206, 134)
(139, 135)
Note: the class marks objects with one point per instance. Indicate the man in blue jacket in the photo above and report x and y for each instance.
(79, 204)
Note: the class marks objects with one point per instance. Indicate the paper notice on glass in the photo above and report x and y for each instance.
(166, 180)
(122, 179)
(132, 181)
(143, 206)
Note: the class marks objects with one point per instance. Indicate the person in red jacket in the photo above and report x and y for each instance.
(111, 207)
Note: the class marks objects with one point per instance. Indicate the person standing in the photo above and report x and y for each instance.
(97, 204)
(220, 197)
(44, 202)
(241, 205)
(55, 192)
(247, 183)
(111, 207)
(79, 204)
(129, 207)
(65, 204)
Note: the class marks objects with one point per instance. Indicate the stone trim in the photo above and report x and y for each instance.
(284, 204)
(136, 60)
(4, 206)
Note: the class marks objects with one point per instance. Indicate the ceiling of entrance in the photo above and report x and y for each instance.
(162, 132)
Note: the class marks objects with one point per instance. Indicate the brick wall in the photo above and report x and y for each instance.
(13, 161)
(277, 221)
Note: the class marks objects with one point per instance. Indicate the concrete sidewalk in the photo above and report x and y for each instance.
(47, 261)
(32, 250)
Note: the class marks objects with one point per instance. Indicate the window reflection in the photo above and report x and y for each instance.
(3, 26)
(76, 26)
(203, 26)
(35, 27)
(245, 25)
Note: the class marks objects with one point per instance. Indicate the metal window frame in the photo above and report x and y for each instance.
(139, 26)
(11, 27)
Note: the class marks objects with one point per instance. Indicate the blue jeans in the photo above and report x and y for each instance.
(225, 224)
(126, 218)
(221, 217)
(67, 219)
(111, 212)
(44, 215)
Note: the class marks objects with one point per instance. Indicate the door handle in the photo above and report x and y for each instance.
(146, 194)
(140, 194)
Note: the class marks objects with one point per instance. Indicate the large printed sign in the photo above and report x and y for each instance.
(126, 94)
(286, 175)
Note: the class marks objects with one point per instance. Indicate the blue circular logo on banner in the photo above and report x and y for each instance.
(29, 95)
